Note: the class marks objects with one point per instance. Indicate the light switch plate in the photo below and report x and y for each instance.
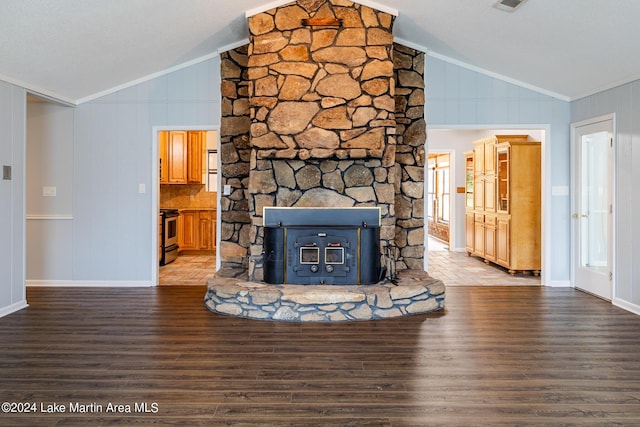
(49, 191)
(227, 190)
(6, 172)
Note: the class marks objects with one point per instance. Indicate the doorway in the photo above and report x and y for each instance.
(458, 142)
(439, 189)
(185, 183)
(592, 228)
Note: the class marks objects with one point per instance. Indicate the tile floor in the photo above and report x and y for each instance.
(458, 269)
(188, 270)
(453, 268)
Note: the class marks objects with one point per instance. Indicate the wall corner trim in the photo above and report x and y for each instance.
(90, 283)
(559, 284)
(4, 311)
(625, 305)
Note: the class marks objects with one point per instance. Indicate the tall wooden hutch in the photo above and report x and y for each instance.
(502, 202)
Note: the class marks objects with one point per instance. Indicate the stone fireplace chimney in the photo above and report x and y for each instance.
(318, 115)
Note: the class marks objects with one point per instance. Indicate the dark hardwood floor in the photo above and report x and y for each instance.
(495, 356)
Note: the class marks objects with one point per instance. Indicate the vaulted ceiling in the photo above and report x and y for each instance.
(75, 50)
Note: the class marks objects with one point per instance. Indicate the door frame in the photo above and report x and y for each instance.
(155, 194)
(574, 208)
(452, 195)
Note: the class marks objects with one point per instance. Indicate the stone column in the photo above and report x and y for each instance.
(235, 152)
(410, 157)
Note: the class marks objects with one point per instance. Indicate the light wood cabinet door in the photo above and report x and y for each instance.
(197, 230)
(194, 157)
(490, 239)
(484, 156)
(189, 230)
(502, 242)
(478, 238)
(469, 232)
(489, 193)
(205, 231)
(490, 158)
(478, 159)
(163, 149)
(177, 157)
(478, 194)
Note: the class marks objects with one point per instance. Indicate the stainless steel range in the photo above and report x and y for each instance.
(169, 238)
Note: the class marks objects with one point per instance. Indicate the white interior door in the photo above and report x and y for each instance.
(593, 208)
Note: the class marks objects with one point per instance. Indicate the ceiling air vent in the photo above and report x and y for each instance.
(508, 5)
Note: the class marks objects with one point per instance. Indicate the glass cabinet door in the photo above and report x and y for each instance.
(469, 180)
(503, 178)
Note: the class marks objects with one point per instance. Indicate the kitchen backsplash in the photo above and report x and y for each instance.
(186, 196)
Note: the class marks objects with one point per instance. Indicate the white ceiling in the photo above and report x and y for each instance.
(75, 50)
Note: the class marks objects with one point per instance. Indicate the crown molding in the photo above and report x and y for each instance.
(498, 76)
(146, 78)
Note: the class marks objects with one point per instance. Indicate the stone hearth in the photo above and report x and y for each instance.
(414, 292)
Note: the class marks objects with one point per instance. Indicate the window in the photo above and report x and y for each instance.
(438, 195)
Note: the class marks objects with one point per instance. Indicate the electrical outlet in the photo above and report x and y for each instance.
(6, 172)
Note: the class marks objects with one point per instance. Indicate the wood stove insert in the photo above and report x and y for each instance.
(308, 246)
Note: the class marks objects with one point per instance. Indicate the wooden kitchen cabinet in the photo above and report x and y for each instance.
(177, 153)
(469, 232)
(478, 235)
(207, 230)
(181, 157)
(163, 150)
(490, 238)
(198, 228)
(195, 156)
(188, 226)
(502, 241)
(484, 180)
(519, 198)
(504, 226)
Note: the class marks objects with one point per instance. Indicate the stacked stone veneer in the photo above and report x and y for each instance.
(410, 157)
(235, 155)
(322, 116)
(322, 112)
(413, 293)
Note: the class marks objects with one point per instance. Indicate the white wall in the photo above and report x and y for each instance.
(113, 155)
(457, 97)
(12, 212)
(624, 101)
(49, 163)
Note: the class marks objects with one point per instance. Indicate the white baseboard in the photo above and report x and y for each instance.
(634, 308)
(559, 284)
(89, 283)
(13, 308)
